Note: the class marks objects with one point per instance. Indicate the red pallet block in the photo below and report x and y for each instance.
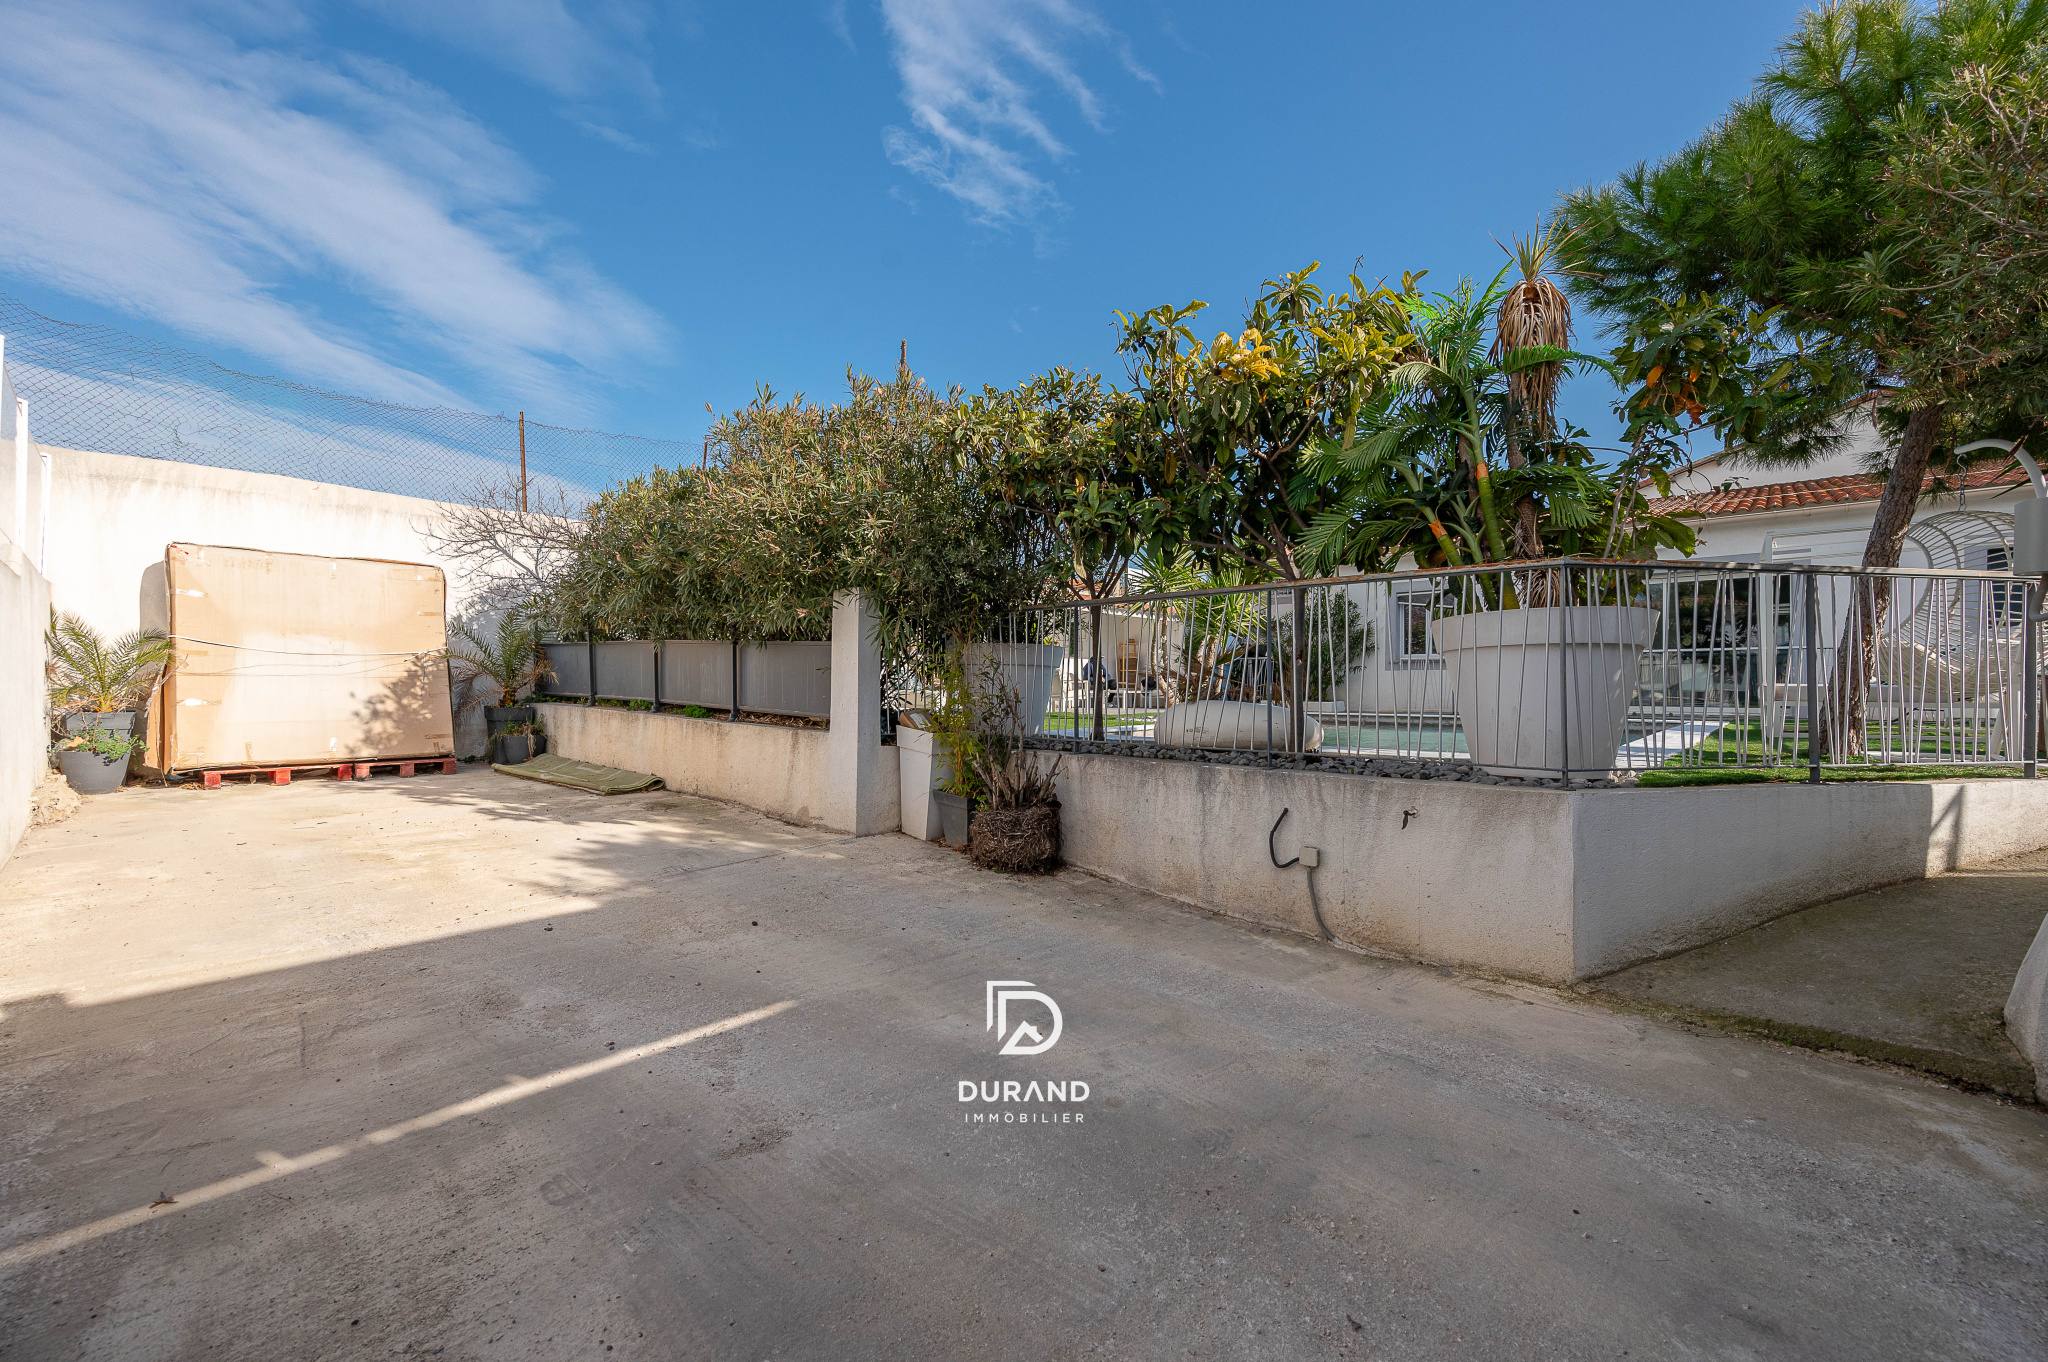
(445, 765)
(275, 775)
(347, 770)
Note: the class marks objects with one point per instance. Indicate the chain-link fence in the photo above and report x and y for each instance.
(98, 388)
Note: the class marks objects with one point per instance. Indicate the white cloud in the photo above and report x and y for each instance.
(597, 51)
(623, 141)
(156, 166)
(969, 68)
(835, 19)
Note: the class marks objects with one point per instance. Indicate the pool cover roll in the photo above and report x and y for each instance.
(581, 775)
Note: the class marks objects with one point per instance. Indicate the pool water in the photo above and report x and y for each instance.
(1419, 740)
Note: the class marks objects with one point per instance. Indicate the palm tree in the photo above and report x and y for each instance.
(1456, 385)
(511, 660)
(88, 673)
(1201, 644)
(1534, 312)
(1420, 470)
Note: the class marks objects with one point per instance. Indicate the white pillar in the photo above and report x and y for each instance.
(21, 474)
(43, 502)
(20, 454)
(857, 799)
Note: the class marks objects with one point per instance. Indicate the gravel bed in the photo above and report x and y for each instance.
(1399, 768)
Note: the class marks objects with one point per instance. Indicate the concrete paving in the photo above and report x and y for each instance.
(1917, 974)
(470, 1066)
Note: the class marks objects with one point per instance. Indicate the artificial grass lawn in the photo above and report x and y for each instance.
(1749, 761)
(1056, 721)
(1797, 775)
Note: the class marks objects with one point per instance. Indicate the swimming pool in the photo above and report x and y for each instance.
(1406, 740)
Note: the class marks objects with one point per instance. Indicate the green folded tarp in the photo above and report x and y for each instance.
(582, 775)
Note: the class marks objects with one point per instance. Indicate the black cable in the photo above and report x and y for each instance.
(1316, 907)
(1278, 864)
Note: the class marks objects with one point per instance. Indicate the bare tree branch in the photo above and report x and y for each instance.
(507, 559)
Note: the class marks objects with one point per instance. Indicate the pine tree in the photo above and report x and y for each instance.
(1783, 206)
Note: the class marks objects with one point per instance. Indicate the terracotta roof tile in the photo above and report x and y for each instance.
(1785, 496)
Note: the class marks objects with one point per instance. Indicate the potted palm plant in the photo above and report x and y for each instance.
(496, 669)
(96, 686)
(1016, 826)
(1459, 462)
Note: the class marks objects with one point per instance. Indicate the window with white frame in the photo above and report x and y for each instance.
(1415, 609)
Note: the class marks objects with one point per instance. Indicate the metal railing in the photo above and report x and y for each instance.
(1565, 670)
(793, 678)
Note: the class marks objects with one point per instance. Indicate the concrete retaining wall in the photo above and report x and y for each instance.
(1660, 870)
(783, 772)
(1546, 884)
(24, 707)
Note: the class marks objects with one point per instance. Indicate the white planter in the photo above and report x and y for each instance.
(1234, 725)
(1508, 669)
(922, 762)
(1030, 669)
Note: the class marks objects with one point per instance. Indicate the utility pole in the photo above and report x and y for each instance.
(522, 463)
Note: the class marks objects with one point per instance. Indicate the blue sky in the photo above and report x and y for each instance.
(612, 214)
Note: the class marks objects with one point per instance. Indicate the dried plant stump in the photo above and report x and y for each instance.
(1021, 841)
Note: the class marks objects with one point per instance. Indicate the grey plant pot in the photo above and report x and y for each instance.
(90, 773)
(514, 749)
(496, 720)
(956, 816)
(121, 721)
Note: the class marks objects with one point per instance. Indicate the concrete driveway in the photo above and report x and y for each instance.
(469, 1066)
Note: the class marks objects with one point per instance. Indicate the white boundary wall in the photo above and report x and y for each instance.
(1545, 884)
(24, 708)
(111, 516)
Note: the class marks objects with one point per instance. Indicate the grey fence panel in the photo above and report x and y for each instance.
(571, 663)
(787, 678)
(625, 671)
(694, 673)
(774, 678)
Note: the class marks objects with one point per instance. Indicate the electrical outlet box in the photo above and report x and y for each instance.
(1311, 857)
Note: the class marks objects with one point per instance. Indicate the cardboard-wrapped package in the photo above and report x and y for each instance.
(287, 659)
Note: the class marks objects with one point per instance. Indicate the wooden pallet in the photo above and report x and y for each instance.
(347, 770)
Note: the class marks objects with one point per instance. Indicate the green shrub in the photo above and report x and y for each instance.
(109, 743)
(797, 502)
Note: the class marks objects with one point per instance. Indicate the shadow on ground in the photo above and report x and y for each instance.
(1287, 1150)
